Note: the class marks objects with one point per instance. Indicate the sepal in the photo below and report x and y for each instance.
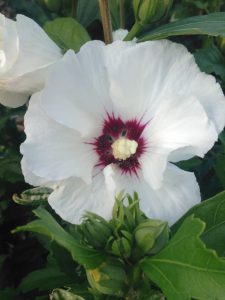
(109, 278)
(95, 230)
(151, 236)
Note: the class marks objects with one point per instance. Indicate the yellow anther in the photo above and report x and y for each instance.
(123, 148)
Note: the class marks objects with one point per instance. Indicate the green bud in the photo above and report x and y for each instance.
(150, 11)
(53, 5)
(121, 247)
(96, 231)
(109, 278)
(151, 236)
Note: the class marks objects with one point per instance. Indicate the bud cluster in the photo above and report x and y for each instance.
(127, 238)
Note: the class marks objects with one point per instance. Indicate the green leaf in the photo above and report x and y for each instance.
(67, 33)
(47, 225)
(200, 4)
(82, 290)
(211, 24)
(63, 260)
(189, 164)
(60, 294)
(185, 269)
(211, 60)
(42, 298)
(44, 279)
(8, 294)
(212, 212)
(219, 167)
(222, 138)
(10, 169)
(87, 11)
(29, 8)
(115, 13)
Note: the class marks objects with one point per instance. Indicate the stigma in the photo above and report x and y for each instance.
(124, 148)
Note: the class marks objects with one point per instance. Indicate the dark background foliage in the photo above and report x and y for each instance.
(23, 253)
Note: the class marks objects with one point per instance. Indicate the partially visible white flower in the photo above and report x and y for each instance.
(120, 34)
(116, 117)
(26, 53)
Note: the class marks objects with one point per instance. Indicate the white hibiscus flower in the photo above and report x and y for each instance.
(116, 117)
(26, 53)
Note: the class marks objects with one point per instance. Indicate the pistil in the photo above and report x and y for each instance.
(124, 148)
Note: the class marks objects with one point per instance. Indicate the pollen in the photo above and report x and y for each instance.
(124, 148)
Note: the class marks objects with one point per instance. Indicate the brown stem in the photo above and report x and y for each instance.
(106, 20)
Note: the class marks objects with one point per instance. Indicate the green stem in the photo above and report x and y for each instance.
(133, 32)
(106, 20)
(122, 13)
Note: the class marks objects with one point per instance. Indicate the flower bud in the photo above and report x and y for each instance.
(96, 231)
(121, 247)
(151, 236)
(109, 278)
(150, 11)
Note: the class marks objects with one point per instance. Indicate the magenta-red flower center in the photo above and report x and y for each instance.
(117, 135)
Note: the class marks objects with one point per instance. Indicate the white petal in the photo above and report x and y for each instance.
(114, 54)
(178, 193)
(29, 83)
(53, 151)
(109, 178)
(180, 129)
(77, 91)
(77, 94)
(155, 70)
(181, 122)
(181, 75)
(36, 49)
(153, 166)
(15, 91)
(30, 177)
(12, 99)
(72, 198)
(9, 43)
(134, 79)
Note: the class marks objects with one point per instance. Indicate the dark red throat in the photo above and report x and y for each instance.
(113, 129)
